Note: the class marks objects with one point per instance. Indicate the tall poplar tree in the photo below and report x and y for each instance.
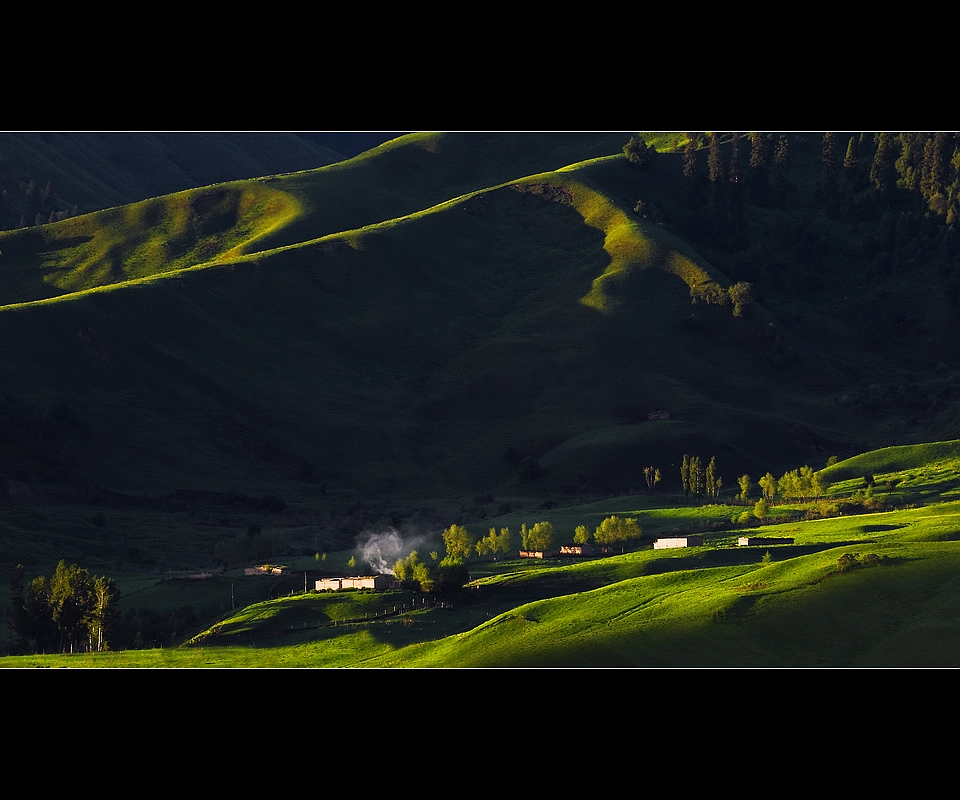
(713, 481)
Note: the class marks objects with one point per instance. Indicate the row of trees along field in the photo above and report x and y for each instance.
(71, 611)
(699, 478)
(704, 481)
(461, 545)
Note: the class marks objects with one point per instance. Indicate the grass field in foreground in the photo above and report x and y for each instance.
(874, 590)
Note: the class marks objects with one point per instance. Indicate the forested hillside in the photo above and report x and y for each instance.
(851, 239)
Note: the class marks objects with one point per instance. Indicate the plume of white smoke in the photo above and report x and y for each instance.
(382, 549)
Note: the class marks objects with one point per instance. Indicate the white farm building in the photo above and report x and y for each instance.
(377, 582)
(677, 541)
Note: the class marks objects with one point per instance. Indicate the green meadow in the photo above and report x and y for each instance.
(866, 589)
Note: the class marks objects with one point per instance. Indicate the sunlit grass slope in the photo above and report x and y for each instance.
(143, 240)
(772, 616)
(721, 606)
(876, 590)
(867, 590)
(198, 226)
(422, 170)
(897, 459)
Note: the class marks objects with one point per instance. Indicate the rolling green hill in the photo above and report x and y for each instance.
(856, 590)
(442, 318)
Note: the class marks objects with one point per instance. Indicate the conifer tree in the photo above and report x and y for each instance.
(715, 160)
(690, 158)
(828, 163)
(717, 177)
(953, 188)
(933, 172)
(31, 204)
(758, 184)
(851, 160)
(735, 173)
(781, 155)
(909, 164)
(691, 171)
(883, 171)
(758, 150)
(49, 205)
(4, 209)
(740, 296)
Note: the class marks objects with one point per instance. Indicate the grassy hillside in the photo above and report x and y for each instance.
(863, 590)
(448, 327)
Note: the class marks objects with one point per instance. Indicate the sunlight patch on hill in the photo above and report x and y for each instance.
(144, 240)
(630, 243)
